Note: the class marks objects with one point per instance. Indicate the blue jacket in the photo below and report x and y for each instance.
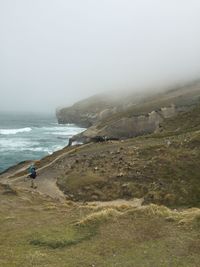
(31, 169)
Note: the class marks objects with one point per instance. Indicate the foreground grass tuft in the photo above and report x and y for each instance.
(54, 244)
(69, 238)
(99, 217)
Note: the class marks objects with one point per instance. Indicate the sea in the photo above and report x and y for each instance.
(31, 137)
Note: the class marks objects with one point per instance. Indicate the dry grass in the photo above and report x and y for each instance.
(103, 214)
(149, 168)
(36, 231)
(99, 217)
(190, 216)
(153, 210)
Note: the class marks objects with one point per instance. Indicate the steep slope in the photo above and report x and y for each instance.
(144, 116)
(86, 112)
(113, 184)
(162, 168)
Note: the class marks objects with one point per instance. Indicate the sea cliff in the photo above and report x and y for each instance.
(128, 116)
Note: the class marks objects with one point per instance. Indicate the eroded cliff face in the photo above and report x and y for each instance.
(128, 127)
(84, 120)
(128, 117)
(87, 112)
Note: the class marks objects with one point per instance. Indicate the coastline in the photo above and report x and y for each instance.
(31, 138)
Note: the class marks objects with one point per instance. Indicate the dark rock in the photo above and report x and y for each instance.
(120, 174)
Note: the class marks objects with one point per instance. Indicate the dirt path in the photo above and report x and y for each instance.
(15, 170)
(46, 180)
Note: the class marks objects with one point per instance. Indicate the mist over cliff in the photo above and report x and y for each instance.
(54, 53)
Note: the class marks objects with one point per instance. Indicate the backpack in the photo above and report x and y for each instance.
(33, 173)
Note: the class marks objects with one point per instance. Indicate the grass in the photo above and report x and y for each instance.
(97, 218)
(79, 179)
(184, 122)
(154, 103)
(75, 235)
(163, 170)
(70, 236)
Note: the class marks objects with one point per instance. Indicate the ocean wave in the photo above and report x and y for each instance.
(55, 128)
(49, 150)
(20, 145)
(63, 133)
(16, 144)
(40, 149)
(60, 133)
(15, 131)
(63, 128)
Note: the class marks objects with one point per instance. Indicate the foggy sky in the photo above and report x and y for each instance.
(55, 52)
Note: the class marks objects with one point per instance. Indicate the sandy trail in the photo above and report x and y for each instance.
(46, 179)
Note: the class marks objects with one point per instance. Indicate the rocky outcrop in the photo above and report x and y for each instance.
(127, 127)
(128, 116)
(87, 112)
(84, 120)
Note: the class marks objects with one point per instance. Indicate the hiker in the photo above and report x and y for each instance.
(32, 175)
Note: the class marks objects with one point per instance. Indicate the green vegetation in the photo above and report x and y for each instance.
(54, 238)
(37, 231)
(182, 123)
(185, 96)
(160, 170)
(163, 170)
(162, 167)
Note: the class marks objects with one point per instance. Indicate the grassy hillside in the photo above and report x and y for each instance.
(130, 203)
(185, 96)
(116, 106)
(185, 122)
(163, 168)
(37, 231)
